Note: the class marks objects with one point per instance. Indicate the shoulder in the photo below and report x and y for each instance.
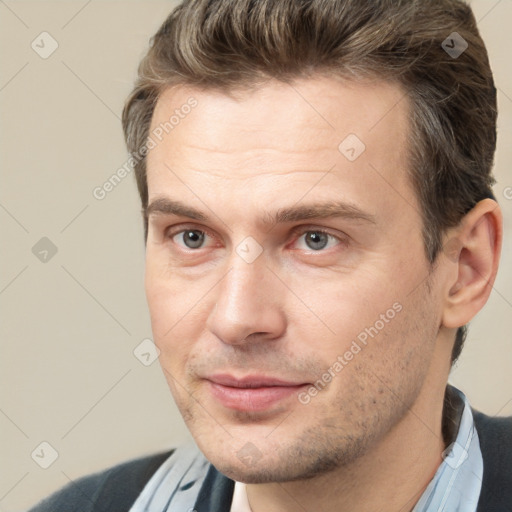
(113, 489)
(495, 436)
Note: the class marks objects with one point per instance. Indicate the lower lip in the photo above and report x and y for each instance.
(251, 399)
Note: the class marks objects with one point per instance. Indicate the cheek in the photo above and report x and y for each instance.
(168, 297)
(178, 312)
(340, 307)
(351, 323)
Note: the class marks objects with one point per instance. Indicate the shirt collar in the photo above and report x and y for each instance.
(457, 483)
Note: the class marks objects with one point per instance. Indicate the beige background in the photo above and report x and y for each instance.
(70, 325)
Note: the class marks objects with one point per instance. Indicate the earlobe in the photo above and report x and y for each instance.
(473, 251)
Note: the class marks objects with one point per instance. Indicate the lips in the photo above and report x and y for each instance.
(251, 393)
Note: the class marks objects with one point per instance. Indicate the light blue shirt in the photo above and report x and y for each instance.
(458, 480)
(454, 488)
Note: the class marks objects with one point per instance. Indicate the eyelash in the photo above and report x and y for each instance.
(296, 234)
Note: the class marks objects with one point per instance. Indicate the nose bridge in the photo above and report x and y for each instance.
(241, 290)
(246, 303)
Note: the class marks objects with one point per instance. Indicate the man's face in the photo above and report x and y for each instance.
(286, 274)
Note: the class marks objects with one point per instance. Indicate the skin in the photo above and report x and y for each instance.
(371, 439)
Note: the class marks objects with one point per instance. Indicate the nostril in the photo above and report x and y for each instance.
(253, 337)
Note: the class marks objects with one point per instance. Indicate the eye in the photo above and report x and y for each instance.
(316, 240)
(190, 238)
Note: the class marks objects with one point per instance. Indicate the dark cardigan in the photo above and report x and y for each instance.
(116, 489)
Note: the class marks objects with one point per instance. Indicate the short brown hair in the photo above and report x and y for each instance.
(230, 44)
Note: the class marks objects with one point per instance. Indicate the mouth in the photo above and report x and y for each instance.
(251, 393)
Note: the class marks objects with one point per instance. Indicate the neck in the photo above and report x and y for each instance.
(390, 477)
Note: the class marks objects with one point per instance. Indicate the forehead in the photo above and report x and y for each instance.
(290, 134)
(325, 107)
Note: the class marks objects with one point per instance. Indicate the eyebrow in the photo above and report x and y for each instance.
(164, 206)
(330, 209)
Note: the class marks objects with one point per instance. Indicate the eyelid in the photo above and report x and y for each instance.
(185, 226)
(301, 230)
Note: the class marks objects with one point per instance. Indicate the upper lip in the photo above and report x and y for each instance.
(251, 381)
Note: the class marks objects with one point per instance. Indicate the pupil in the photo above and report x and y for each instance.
(316, 240)
(193, 239)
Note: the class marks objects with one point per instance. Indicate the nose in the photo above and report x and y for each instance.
(248, 307)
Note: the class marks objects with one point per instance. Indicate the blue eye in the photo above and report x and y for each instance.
(190, 238)
(316, 240)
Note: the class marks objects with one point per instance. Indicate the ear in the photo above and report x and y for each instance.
(473, 250)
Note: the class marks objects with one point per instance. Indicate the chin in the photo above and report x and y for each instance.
(273, 467)
(248, 475)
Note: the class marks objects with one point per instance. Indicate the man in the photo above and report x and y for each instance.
(315, 178)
